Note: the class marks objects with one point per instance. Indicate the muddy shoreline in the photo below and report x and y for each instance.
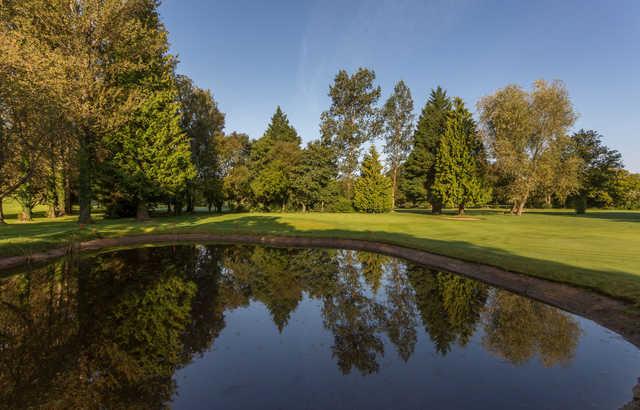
(606, 311)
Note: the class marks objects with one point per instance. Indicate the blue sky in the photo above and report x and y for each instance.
(255, 55)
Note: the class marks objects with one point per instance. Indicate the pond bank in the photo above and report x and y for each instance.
(614, 314)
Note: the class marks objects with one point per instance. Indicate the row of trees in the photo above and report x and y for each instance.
(93, 113)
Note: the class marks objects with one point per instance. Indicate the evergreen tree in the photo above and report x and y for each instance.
(398, 128)
(419, 169)
(458, 180)
(151, 153)
(274, 158)
(372, 190)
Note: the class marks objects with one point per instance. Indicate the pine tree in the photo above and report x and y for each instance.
(373, 192)
(419, 169)
(274, 158)
(458, 164)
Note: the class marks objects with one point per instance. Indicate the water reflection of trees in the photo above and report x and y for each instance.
(114, 329)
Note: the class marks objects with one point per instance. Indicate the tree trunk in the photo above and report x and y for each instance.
(26, 214)
(436, 207)
(321, 206)
(395, 186)
(547, 201)
(68, 206)
(142, 213)
(168, 207)
(284, 206)
(190, 200)
(521, 204)
(461, 209)
(209, 205)
(219, 207)
(85, 177)
(53, 187)
(304, 207)
(2, 222)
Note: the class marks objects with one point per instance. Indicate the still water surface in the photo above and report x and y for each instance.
(235, 327)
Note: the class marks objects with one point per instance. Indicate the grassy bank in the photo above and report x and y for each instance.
(600, 250)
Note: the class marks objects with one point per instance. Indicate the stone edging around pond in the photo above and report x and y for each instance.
(608, 312)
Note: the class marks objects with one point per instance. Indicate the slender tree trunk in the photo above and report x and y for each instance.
(190, 199)
(461, 209)
(53, 188)
(395, 187)
(321, 206)
(436, 207)
(85, 177)
(284, 207)
(304, 207)
(26, 215)
(142, 213)
(547, 200)
(68, 206)
(521, 204)
(2, 222)
(209, 206)
(169, 207)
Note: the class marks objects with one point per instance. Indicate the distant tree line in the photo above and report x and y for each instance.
(92, 113)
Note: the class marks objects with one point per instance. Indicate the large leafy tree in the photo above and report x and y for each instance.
(274, 158)
(352, 119)
(598, 167)
(314, 184)
(100, 53)
(398, 129)
(202, 121)
(419, 169)
(521, 127)
(233, 158)
(372, 190)
(459, 162)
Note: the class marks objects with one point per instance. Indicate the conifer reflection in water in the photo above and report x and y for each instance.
(114, 328)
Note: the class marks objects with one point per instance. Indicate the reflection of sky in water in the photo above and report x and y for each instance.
(245, 327)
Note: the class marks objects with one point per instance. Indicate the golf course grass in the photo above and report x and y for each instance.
(599, 250)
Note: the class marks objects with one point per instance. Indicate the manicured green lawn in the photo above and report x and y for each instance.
(599, 250)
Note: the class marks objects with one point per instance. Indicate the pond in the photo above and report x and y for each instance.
(234, 327)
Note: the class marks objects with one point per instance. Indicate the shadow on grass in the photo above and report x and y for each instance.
(614, 216)
(45, 235)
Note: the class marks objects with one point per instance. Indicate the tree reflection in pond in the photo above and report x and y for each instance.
(114, 328)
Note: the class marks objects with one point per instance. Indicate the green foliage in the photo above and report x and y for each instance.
(419, 170)
(202, 121)
(458, 182)
(598, 169)
(151, 154)
(398, 128)
(351, 120)
(314, 183)
(274, 159)
(373, 192)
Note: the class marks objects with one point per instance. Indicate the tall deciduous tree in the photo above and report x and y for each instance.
(98, 50)
(419, 169)
(520, 128)
(372, 189)
(458, 181)
(398, 130)
(202, 121)
(352, 119)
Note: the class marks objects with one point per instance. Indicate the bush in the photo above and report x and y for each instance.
(341, 204)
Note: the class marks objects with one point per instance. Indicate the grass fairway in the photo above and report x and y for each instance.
(599, 250)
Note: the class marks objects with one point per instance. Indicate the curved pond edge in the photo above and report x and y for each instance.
(611, 313)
